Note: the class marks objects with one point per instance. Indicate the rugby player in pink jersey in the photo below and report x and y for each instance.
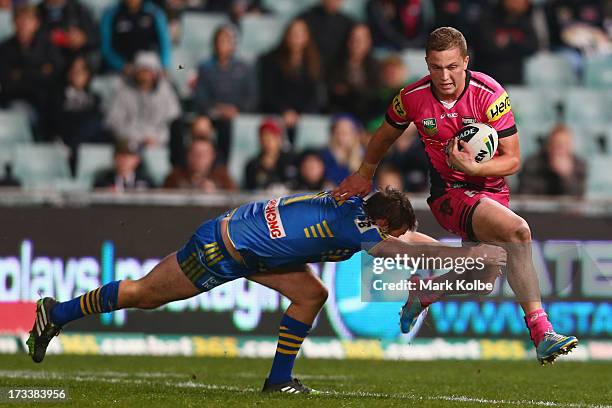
(467, 198)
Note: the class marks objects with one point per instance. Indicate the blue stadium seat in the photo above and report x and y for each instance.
(549, 72)
(198, 30)
(598, 72)
(41, 165)
(105, 86)
(14, 127)
(91, 159)
(415, 60)
(245, 144)
(355, 9)
(599, 177)
(6, 25)
(587, 107)
(98, 7)
(157, 163)
(259, 34)
(312, 131)
(531, 107)
(288, 9)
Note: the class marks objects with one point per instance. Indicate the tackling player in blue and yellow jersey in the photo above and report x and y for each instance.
(269, 242)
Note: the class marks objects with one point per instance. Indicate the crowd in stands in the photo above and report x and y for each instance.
(325, 62)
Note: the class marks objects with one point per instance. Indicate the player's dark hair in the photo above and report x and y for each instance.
(446, 38)
(393, 206)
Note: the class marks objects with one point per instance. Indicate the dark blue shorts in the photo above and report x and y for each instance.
(205, 260)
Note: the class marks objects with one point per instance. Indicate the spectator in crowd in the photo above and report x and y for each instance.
(354, 77)
(555, 170)
(343, 156)
(393, 76)
(132, 26)
(75, 112)
(70, 27)
(389, 176)
(330, 29)
(271, 167)
(127, 172)
(399, 24)
(29, 68)
(144, 105)
(311, 176)
(202, 128)
(463, 15)
(226, 86)
(505, 38)
(201, 172)
(576, 28)
(408, 156)
(5, 4)
(291, 77)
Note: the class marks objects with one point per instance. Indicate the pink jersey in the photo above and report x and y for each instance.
(483, 100)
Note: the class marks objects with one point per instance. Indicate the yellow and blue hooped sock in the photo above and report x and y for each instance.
(100, 300)
(292, 334)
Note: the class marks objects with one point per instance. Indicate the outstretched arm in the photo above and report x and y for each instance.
(360, 182)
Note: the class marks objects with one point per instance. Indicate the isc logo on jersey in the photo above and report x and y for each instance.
(273, 219)
(499, 108)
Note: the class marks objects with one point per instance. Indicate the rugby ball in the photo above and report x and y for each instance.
(482, 140)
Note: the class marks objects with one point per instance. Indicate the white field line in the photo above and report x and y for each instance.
(87, 376)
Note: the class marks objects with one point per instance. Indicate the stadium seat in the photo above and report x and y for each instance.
(105, 86)
(91, 159)
(182, 77)
(415, 60)
(531, 107)
(6, 25)
(599, 177)
(531, 138)
(98, 7)
(157, 163)
(598, 72)
(245, 144)
(586, 107)
(287, 9)
(198, 30)
(312, 131)
(259, 34)
(14, 127)
(549, 72)
(6, 157)
(590, 139)
(355, 9)
(41, 165)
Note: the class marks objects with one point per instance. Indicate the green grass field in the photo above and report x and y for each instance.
(177, 382)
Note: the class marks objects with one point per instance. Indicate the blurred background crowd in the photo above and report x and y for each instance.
(284, 94)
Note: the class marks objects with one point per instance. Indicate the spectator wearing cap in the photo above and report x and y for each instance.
(132, 26)
(144, 105)
(311, 174)
(343, 156)
(201, 172)
(272, 167)
(70, 27)
(127, 172)
(225, 87)
(29, 68)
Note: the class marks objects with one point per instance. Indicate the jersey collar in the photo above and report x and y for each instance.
(468, 77)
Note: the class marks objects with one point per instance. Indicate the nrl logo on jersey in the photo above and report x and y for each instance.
(467, 121)
(429, 126)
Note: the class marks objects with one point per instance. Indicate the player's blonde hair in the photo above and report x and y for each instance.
(446, 38)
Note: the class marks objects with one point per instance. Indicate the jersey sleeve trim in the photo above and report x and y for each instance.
(396, 125)
(507, 132)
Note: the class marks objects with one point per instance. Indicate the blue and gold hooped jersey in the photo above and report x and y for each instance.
(301, 228)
